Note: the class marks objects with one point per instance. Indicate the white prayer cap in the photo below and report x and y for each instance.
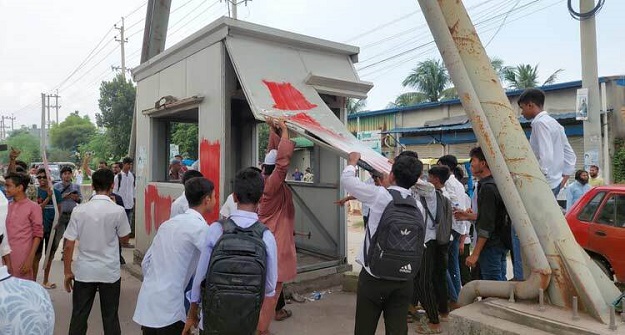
(270, 158)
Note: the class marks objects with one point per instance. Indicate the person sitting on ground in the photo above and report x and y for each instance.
(248, 190)
(181, 204)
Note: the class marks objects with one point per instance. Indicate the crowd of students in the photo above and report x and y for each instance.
(226, 277)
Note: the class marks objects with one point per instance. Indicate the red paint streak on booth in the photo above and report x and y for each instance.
(210, 166)
(287, 97)
(157, 208)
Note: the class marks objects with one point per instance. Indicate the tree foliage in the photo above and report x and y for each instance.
(355, 105)
(526, 76)
(430, 78)
(185, 135)
(117, 104)
(618, 162)
(28, 144)
(263, 140)
(100, 146)
(73, 132)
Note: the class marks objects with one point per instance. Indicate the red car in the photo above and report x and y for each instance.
(597, 220)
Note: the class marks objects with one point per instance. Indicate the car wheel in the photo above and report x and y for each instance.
(604, 267)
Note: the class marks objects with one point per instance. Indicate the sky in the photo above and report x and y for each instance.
(69, 45)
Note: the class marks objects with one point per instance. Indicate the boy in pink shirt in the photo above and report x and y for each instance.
(24, 226)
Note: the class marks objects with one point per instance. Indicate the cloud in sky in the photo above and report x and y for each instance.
(42, 44)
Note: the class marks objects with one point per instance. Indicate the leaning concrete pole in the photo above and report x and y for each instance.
(571, 267)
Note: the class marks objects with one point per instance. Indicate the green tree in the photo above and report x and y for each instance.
(526, 76)
(100, 147)
(618, 162)
(73, 132)
(430, 78)
(263, 140)
(25, 142)
(355, 105)
(117, 104)
(185, 136)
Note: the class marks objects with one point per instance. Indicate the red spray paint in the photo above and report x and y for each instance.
(210, 166)
(157, 208)
(287, 97)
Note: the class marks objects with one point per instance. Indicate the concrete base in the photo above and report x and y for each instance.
(497, 316)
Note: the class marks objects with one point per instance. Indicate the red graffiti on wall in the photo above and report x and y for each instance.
(210, 166)
(157, 208)
(287, 97)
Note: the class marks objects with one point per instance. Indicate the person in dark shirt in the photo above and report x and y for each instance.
(297, 175)
(489, 250)
(44, 199)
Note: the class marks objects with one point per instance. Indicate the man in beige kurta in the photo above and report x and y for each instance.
(277, 212)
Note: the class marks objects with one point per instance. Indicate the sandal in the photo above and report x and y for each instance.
(424, 328)
(283, 314)
(49, 286)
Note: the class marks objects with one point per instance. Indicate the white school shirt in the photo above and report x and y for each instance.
(242, 219)
(228, 207)
(552, 149)
(376, 197)
(97, 225)
(167, 267)
(5, 249)
(428, 191)
(127, 188)
(179, 206)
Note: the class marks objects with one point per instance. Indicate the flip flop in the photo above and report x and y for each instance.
(283, 314)
(49, 286)
(424, 328)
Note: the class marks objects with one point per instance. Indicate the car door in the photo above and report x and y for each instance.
(607, 232)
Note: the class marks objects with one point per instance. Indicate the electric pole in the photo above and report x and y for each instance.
(122, 40)
(48, 106)
(590, 80)
(12, 118)
(234, 8)
(56, 107)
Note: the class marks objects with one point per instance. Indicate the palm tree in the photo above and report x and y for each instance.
(499, 67)
(408, 99)
(525, 76)
(355, 105)
(430, 78)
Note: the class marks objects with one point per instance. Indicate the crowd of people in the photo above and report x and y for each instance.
(426, 236)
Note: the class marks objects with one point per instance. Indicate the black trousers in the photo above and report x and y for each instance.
(173, 329)
(430, 285)
(376, 296)
(82, 301)
(281, 302)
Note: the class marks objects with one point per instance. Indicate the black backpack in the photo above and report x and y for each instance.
(444, 217)
(397, 246)
(234, 288)
(504, 222)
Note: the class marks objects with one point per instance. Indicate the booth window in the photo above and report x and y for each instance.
(174, 131)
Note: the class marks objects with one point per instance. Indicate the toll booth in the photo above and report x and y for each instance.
(220, 78)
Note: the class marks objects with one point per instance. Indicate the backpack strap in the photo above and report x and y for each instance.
(228, 225)
(258, 229)
(427, 209)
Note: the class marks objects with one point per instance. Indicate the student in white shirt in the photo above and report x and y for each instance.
(100, 225)
(181, 204)
(171, 260)
(376, 295)
(228, 207)
(548, 140)
(248, 189)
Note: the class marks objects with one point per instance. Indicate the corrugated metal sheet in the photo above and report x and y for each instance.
(461, 150)
(427, 150)
(384, 122)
